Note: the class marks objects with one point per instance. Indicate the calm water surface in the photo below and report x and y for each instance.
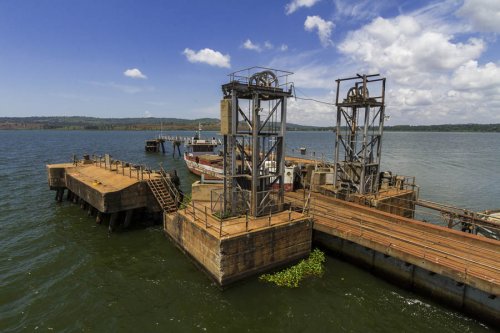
(61, 272)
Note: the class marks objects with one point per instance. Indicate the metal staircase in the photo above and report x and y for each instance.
(165, 193)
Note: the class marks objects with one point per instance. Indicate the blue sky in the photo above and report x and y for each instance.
(169, 58)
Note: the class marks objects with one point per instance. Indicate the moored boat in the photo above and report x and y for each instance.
(201, 157)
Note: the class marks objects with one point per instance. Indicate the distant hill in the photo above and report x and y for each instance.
(208, 124)
(92, 123)
(445, 128)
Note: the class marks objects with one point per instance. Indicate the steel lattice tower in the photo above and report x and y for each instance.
(253, 123)
(358, 144)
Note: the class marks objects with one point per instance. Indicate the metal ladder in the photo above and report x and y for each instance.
(165, 193)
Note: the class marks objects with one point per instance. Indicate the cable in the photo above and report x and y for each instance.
(314, 100)
(308, 98)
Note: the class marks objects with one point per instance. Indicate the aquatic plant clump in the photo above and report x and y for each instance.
(291, 277)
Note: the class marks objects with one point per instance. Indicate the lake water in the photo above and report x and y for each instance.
(61, 272)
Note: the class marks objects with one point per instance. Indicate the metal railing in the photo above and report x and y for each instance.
(137, 171)
(174, 192)
(210, 219)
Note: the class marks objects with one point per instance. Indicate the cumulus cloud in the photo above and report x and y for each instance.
(324, 29)
(296, 4)
(249, 45)
(403, 47)
(259, 47)
(208, 56)
(483, 15)
(432, 76)
(134, 73)
(471, 76)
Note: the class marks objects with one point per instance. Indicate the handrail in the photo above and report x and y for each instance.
(171, 187)
(207, 216)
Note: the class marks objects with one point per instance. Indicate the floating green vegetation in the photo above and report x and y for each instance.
(291, 277)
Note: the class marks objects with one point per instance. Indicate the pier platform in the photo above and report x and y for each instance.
(234, 248)
(113, 190)
(458, 268)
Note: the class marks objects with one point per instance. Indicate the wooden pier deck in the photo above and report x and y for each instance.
(458, 268)
(467, 258)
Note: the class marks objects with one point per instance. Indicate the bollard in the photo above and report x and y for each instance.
(246, 220)
(206, 218)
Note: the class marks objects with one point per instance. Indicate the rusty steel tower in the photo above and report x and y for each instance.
(253, 123)
(360, 125)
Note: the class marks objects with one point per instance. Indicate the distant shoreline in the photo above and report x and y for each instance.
(208, 124)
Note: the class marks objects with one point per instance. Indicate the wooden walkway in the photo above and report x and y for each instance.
(466, 258)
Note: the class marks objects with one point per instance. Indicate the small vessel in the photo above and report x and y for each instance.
(202, 158)
(493, 229)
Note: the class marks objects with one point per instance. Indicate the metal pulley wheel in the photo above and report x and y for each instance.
(264, 79)
(355, 94)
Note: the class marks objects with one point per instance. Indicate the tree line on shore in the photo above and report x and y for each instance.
(208, 124)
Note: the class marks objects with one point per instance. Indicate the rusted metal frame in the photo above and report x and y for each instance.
(350, 179)
(358, 77)
(255, 152)
(338, 138)
(381, 116)
(244, 155)
(245, 118)
(373, 140)
(261, 205)
(270, 115)
(280, 153)
(268, 153)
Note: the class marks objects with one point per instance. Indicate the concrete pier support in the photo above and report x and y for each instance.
(113, 222)
(98, 217)
(234, 253)
(128, 218)
(59, 194)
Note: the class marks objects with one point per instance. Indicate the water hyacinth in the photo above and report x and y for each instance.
(291, 277)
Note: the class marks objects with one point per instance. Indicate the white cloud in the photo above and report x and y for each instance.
(484, 15)
(324, 29)
(147, 114)
(283, 47)
(432, 76)
(208, 56)
(403, 48)
(414, 97)
(358, 10)
(470, 76)
(268, 45)
(134, 73)
(249, 45)
(296, 4)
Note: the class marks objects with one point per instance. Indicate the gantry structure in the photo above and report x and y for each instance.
(359, 129)
(253, 124)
